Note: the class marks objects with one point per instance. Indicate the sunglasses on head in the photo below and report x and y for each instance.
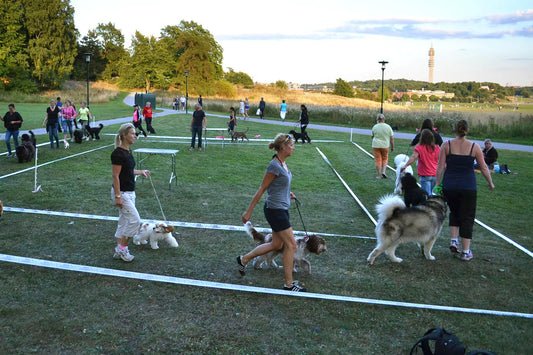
(288, 137)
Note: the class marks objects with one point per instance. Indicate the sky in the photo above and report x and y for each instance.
(310, 41)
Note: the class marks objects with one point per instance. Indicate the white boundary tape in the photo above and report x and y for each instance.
(224, 227)
(348, 188)
(54, 161)
(242, 288)
(490, 229)
(228, 139)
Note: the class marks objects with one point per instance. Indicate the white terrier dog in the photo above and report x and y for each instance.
(400, 161)
(155, 232)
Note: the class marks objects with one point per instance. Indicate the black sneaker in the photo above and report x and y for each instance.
(241, 266)
(294, 287)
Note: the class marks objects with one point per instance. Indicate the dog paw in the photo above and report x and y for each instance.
(397, 260)
(431, 257)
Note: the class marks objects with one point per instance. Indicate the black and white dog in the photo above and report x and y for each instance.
(94, 131)
(26, 150)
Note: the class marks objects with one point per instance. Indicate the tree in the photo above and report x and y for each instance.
(142, 68)
(386, 94)
(51, 40)
(405, 98)
(14, 58)
(282, 84)
(433, 98)
(111, 41)
(239, 78)
(342, 88)
(225, 89)
(193, 48)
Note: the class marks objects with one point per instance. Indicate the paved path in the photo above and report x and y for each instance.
(129, 100)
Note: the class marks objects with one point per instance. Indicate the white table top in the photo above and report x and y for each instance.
(156, 151)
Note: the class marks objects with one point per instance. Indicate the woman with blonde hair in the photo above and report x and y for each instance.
(277, 183)
(123, 190)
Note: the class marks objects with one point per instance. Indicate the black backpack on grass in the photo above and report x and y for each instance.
(445, 343)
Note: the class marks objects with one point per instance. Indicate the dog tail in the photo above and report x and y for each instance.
(255, 235)
(101, 126)
(387, 205)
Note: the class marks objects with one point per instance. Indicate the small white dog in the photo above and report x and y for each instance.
(66, 144)
(400, 161)
(304, 246)
(155, 232)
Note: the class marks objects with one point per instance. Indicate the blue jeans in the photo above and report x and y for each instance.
(196, 130)
(428, 183)
(15, 135)
(52, 133)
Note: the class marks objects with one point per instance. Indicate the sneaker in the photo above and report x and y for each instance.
(384, 176)
(9, 155)
(294, 287)
(467, 256)
(191, 149)
(241, 265)
(124, 254)
(115, 255)
(454, 247)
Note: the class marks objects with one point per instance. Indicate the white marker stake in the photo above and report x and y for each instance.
(36, 188)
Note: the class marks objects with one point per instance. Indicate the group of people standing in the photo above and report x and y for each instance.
(61, 118)
(443, 167)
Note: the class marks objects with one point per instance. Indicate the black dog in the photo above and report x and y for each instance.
(78, 136)
(297, 136)
(26, 150)
(94, 131)
(412, 194)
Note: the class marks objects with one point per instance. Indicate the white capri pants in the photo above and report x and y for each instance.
(129, 220)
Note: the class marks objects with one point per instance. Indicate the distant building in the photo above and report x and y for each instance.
(295, 86)
(438, 93)
(431, 63)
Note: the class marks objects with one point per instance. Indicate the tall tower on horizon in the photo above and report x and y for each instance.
(431, 63)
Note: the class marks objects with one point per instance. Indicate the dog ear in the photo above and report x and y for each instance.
(168, 229)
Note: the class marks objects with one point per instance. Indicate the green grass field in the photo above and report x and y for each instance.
(51, 311)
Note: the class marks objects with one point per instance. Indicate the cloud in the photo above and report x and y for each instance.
(413, 28)
(519, 16)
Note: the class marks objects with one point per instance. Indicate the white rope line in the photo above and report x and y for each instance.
(223, 227)
(157, 197)
(348, 188)
(188, 139)
(490, 229)
(53, 161)
(242, 288)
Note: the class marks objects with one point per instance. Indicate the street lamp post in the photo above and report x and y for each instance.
(382, 78)
(186, 92)
(87, 60)
(163, 96)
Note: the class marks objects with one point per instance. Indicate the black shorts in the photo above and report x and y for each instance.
(277, 218)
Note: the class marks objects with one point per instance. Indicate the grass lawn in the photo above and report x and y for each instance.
(51, 311)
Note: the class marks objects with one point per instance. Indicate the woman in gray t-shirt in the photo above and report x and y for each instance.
(277, 183)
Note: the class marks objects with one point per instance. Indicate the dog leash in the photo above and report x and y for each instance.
(306, 238)
(155, 193)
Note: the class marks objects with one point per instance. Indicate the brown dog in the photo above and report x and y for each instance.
(304, 246)
(236, 135)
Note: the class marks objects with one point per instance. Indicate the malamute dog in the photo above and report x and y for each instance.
(399, 224)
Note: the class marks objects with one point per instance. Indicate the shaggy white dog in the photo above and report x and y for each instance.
(155, 232)
(400, 161)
